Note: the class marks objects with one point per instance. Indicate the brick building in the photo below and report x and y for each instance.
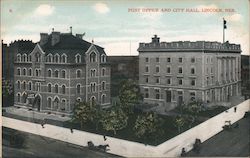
(177, 72)
(60, 70)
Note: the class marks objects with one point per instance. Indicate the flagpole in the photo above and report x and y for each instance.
(223, 31)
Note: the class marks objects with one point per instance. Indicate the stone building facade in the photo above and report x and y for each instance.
(178, 72)
(59, 71)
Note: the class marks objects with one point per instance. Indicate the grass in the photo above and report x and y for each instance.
(166, 130)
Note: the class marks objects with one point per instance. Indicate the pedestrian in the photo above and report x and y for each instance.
(235, 108)
(183, 152)
(104, 137)
(71, 130)
(43, 123)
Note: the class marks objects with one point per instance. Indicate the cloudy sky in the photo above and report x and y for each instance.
(119, 29)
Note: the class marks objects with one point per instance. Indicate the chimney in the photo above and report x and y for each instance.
(156, 39)
(55, 38)
(79, 36)
(43, 38)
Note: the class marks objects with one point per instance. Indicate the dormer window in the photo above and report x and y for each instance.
(38, 57)
(25, 57)
(49, 58)
(78, 58)
(103, 58)
(64, 58)
(93, 57)
(29, 58)
(18, 57)
(57, 58)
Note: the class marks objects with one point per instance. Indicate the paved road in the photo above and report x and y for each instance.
(233, 143)
(42, 147)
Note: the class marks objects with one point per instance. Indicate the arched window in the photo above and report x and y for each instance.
(92, 87)
(37, 72)
(92, 100)
(103, 85)
(57, 58)
(192, 70)
(63, 89)
(25, 57)
(24, 71)
(103, 98)
(78, 58)
(63, 107)
(49, 73)
(49, 103)
(18, 97)
(30, 72)
(103, 71)
(92, 72)
(78, 73)
(49, 87)
(93, 57)
(63, 74)
(56, 73)
(18, 85)
(24, 85)
(29, 58)
(56, 103)
(103, 58)
(18, 71)
(38, 57)
(56, 88)
(64, 58)
(18, 57)
(30, 86)
(78, 99)
(49, 58)
(78, 89)
(24, 97)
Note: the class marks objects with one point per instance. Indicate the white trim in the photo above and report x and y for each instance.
(57, 56)
(80, 59)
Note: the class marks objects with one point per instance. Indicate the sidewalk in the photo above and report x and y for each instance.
(34, 114)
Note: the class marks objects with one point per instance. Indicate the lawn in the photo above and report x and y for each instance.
(166, 130)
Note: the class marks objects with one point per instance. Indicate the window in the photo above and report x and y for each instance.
(18, 85)
(180, 81)
(92, 73)
(25, 57)
(29, 58)
(157, 80)
(38, 57)
(180, 70)
(37, 72)
(78, 100)
(64, 58)
(37, 86)
(63, 105)
(192, 70)
(168, 81)
(19, 97)
(78, 73)
(56, 88)
(157, 69)
(24, 85)
(146, 79)
(78, 58)
(192, 82)
(78, 89)
(146, 93)
(30, 86)
(93, 57)
(146, 60)
(168, 70)
(49, 73)
(157, 59)
(192, 60)
(18, 71)
(49, 58)
(146, 69)
(103, 72)
(192, 96)
(56, 73)
(211, 70)
(103, 99)
(18, 57)
(168, 60)
(30, 72)
(63, 74)
(207, 80)
(180, 60)
(49, 87)
(57, 58)
(49, 104)
(24, 72)
(92, 87)
(103, 58)
(63, 89)
(157, 93)
(103, 85)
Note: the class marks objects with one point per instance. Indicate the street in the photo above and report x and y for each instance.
(36, 146)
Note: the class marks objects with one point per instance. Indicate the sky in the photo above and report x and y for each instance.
(119, 26)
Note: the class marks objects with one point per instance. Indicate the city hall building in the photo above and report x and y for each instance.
(60, 70)
(173, 73)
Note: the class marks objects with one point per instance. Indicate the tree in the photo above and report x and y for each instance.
(114, 119)
(129, 95)
(83, 112)
(179, 122)
(146, 125)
